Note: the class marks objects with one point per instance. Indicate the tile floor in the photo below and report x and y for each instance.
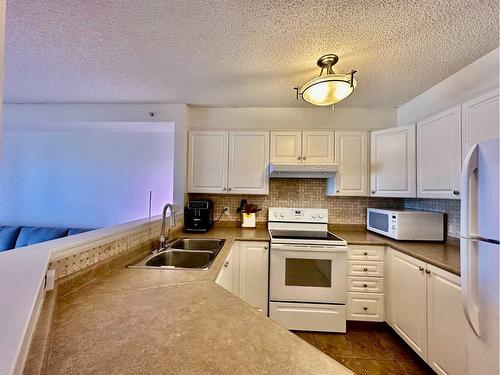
(369, 349)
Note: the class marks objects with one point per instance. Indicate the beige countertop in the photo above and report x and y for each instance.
(181, 322)
(440, 254)
(133, 321)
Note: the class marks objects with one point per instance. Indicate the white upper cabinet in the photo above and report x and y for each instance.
(351, 154)
(317, 147)
(207, 162)
(480, 120)
(286, 147)
(307, 147)
(248, 162)
(439, 155)
(224, 162)
(393, 162)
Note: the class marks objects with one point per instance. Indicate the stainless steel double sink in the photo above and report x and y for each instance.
(184, 253)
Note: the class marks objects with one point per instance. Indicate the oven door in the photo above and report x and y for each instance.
(308, 273)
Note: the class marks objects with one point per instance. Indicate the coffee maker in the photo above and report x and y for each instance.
(198, 216)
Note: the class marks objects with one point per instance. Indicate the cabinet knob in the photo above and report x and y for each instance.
(304, 157)
(223, 189)
(427, 272)
(365, 253)
(374, 191)
(365, 269)
(226, 264)
(365, 285)
(420, 268)
(365, 308)
(456, 192)
(299, 157)
(265, 247)
(338, 191)
(229, 189)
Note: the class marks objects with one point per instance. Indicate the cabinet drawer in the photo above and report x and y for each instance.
(365, 284)
(365, 306)
(365, 268)
(358, 252)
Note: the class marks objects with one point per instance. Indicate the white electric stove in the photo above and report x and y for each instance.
(307, 289)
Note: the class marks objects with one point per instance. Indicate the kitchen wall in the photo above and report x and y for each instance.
(474, 79)
(85, 175)
(301, 193)
(342, 210)
(17, 116)
(291, 118)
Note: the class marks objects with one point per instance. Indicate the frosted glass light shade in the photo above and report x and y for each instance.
(328, 90)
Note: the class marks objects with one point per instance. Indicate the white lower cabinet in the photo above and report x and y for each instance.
(253, 285)
(408, 300)
(365, 283)
(245, 273)
(447, 347)
(426, 311)
(226, 277)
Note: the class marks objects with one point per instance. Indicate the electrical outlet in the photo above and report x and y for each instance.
(226, 210)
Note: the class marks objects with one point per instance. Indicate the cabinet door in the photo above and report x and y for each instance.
(228, 277)
(207, 162)
(317, 147)
(248, 163)
(447, 352)
(393, 162)
(253, 288)
(480, 120)
(351, 154)
(408, 301)
(286, 147)
(439, 155)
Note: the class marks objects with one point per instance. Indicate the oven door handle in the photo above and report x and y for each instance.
(324, 248)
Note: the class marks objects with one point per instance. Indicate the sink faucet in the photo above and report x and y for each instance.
(163, 237)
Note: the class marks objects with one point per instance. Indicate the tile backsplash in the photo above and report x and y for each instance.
(301, 193)
(342, 210)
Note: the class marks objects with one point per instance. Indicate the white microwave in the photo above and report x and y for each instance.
(408, 225)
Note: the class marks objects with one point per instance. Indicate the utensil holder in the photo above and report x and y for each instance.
(247, 220)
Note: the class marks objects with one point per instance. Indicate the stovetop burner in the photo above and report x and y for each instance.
(304, 235)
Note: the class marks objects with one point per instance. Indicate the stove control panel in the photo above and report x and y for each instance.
(301, 215)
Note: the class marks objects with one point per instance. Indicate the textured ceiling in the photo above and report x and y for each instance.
(237, 53)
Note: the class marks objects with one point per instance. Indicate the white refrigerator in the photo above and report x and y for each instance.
(479, 255)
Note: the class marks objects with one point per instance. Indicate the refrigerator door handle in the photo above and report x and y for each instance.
(468, 207)
(468, 251)
(468, 271)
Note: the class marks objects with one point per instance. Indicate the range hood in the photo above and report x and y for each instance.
(302, 171)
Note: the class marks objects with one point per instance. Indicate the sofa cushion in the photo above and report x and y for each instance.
(8, 237)
(32, 235)
(72, 231)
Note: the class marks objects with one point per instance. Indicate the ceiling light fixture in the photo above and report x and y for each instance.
(330, 88)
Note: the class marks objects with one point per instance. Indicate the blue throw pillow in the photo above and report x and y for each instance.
(8, 237)
(72, 231)
(33, 235)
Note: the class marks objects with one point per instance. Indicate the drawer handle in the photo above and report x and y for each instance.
(365, 269)
(365, 285)
(365, 253)
(365, 308)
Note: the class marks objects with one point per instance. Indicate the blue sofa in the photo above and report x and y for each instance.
(13, 236)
